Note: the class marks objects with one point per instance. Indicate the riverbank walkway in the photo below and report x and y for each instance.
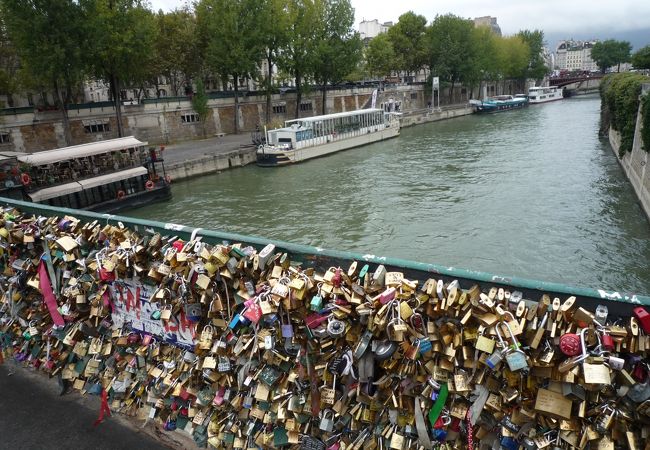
(35, 417)
(218, 145)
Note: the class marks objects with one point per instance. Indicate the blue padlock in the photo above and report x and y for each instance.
(425, 346)
(235, 321)
(509, 443)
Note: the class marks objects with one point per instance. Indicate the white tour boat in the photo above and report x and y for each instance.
(543, 94)
(311, 137)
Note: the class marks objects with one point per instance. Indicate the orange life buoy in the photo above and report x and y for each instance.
(121, 194)
(149, 185)
(168, 179)
(25, 178)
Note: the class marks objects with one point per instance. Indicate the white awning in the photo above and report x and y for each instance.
(109, 178)
(55, 191)
(79, 151)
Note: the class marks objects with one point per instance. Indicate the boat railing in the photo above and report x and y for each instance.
(336, 135)
(51, 178)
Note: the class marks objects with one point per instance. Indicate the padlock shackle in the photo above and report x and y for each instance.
(515, 342)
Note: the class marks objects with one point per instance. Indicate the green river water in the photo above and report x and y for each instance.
(533, 193)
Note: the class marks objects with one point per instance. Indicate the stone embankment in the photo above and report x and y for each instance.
(635, 163)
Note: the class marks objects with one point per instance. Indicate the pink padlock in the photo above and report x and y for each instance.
(387, 296)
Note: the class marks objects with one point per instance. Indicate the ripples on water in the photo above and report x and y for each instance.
(532, 193)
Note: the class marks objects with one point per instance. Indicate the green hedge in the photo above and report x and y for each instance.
(620, 93)
(645, 129)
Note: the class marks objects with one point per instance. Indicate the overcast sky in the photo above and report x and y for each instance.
(570, 17)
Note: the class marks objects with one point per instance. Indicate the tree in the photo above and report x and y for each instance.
(297, 57)
(45, 33)
(338, 50)
(485, 64)
(120, 45)
(231, 29)
(451, 50)
(200, 103)
(641, 58)
(380, 56)
(178, 54)
(408, 39)
(9, 63)
(273, 37)
(536, 66)
(513, 56)
(610, 53)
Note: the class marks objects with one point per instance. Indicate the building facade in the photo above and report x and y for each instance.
(369, 29)
(488, 21)
(575, 55)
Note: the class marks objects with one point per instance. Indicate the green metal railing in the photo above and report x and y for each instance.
(620, 303)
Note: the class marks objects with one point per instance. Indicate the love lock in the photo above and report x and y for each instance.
(335, 328)
(327, 421)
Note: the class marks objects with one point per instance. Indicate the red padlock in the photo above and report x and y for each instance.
(640, 372)
(336, 279)
(643, 317)
(570, 344)
(607, 342)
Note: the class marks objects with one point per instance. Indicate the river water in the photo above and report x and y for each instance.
(533, 193)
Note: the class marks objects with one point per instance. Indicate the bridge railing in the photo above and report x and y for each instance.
(619, 303)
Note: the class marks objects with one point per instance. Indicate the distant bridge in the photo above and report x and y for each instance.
(565, 81)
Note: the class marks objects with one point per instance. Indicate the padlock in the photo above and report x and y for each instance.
(335, 328)
(605, 419)
(643, 317)
(327, 421)
(601, 314)
(615, 362)
(515, 357)
(570, 344)
(494, 359)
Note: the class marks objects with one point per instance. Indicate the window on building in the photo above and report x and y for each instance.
(280, 109)
(30, 99)
(97, 128)
(306, 107)
(5, 138)
(190, 118)
(414, 95)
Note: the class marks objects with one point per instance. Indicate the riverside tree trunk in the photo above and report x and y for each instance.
(67, 136)
(115, 90)
(236, 82)
(269, 61)
(324, 109)
(298, 94)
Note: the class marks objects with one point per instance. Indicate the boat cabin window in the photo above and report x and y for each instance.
(306, 106)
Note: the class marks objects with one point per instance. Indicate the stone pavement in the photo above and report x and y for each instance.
(189, 150)
(34, 416)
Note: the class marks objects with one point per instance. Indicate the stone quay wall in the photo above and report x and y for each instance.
(635, 163)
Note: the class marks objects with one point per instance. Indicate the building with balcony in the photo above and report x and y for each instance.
(575, 55)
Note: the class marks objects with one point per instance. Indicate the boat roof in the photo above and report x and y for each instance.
(537, 88)
(76, 186)
(356, 112)
(79, 151)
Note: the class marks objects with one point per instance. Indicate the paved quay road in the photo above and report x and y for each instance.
(34, 417)
(533, 193)
(189, 150)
